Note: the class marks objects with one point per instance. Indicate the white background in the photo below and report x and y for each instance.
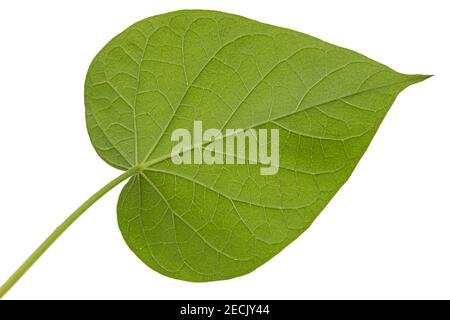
(385, 235)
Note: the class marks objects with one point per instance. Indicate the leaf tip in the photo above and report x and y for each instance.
(420, 77)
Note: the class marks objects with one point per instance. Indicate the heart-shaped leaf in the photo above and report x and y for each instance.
(203, 222)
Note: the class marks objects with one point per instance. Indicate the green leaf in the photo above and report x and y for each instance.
(204, 222)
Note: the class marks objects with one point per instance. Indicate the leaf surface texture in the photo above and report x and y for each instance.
(212, 222)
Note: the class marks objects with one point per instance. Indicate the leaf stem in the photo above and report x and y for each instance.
(61, 228)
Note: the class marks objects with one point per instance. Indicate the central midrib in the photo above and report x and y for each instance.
(147, 164)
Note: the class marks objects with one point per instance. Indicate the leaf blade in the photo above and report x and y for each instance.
(212, 222)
